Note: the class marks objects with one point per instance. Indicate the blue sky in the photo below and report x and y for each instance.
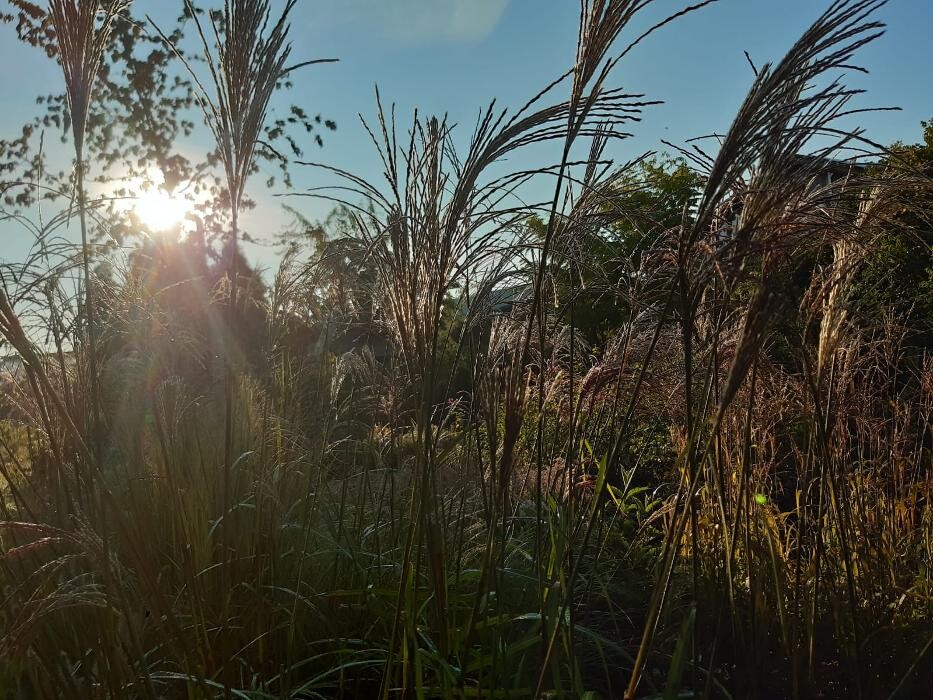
(454, 56)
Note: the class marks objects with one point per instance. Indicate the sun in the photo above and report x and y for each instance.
(154, 207)
(159, 211)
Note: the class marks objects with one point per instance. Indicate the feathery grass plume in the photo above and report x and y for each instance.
(247, 58)
(785, 109)
(443, 222)
(781, 114)
(82, 30)
(873, 203)
(601, 24)
(50, 403)
(247, 55)
(844, 265)
(436, 226)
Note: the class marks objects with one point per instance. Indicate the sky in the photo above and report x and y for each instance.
(454, 56)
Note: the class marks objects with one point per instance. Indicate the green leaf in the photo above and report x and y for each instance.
(679, 660)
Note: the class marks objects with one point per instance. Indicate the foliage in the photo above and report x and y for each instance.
(145, 111)
(897, 276)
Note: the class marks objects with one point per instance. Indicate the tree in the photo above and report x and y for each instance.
(647, 201)
(898, 274)
(144, 108)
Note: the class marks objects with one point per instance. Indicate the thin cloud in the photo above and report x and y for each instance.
(425, 21)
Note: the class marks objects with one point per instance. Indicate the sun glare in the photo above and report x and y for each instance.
(160, 211)
(156, 209)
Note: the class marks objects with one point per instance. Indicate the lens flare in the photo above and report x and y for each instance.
(155, 208)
